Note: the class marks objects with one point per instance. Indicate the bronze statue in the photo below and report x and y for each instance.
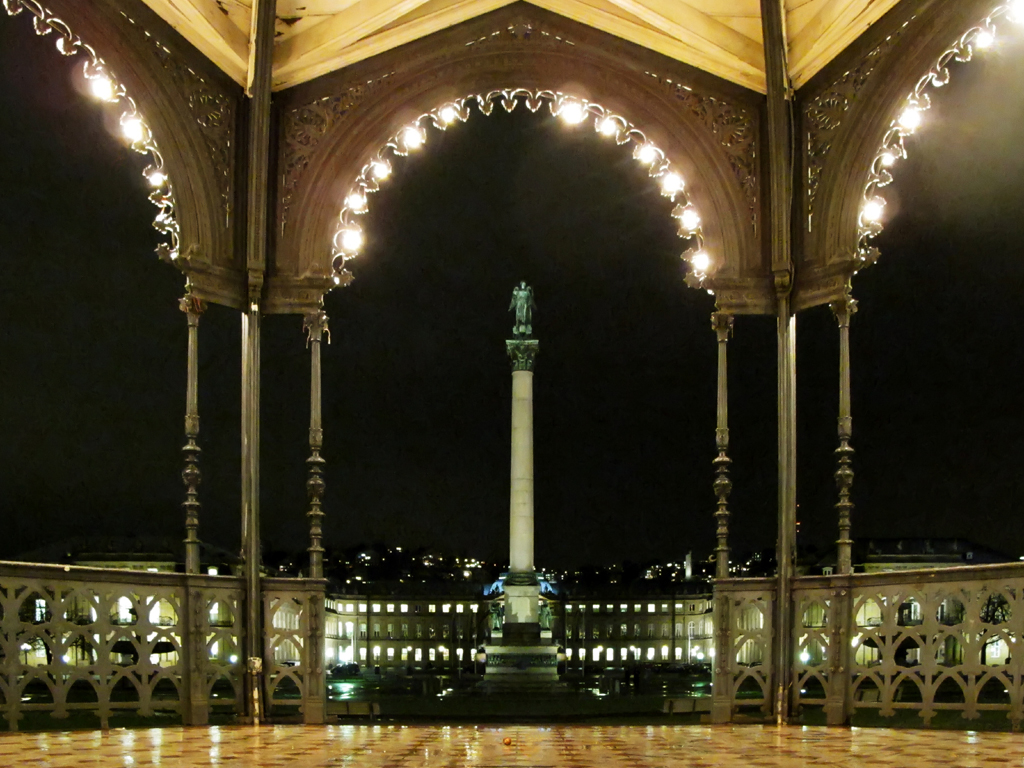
(523, 304)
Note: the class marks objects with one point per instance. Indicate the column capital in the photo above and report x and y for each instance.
(844, 309)
(522, 353)
(192, 306)
(722, 324)
(315, 325)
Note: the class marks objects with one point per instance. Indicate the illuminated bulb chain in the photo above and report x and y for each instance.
(349, 238)
(104, 87)
(911, 116)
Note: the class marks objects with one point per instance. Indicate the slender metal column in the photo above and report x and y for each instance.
(786, 545)
(780, 204)
(190, 475)
(722, 324)
(260, 66)
(315, 325)
(843, 311)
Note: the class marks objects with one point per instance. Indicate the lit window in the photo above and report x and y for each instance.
(376, 607)
(431, 608)
(650, 607)
(404, 608)
(597, 609)
(637, 608)
(362, 607)
(664, 653)
(431, 654)
(362, 654)
(348, 608)
(391, 654)
(568, 653)
(419, 654)
(568, 609)
(458, 608)
(474, 607)
(650, 654)
(610, 655)
(679, 606)
(212, 571)
(376, 652)
(391, 608)
(446, 608)
(623, 608)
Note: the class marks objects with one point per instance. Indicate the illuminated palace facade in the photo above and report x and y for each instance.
(774, 127)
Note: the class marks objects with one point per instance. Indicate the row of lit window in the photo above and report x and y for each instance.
(693, 630)
(634, 654)
(402, 607)
(637, 608)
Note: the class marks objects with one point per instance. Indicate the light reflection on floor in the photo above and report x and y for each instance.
(528, 747)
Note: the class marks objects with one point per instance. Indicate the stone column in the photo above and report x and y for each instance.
(521, 586)
(844, 453)
(190, 475)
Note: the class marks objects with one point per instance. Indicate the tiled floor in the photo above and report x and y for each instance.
(528, 747)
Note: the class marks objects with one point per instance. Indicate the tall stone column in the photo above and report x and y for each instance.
(315, 325)
(522, 589)
(844, 453)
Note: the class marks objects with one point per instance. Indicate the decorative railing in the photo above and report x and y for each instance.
(926, 641)
(293, 651)
(742, 676)
(117, 642)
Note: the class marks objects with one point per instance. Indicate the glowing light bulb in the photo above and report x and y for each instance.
(873, 209)
(700, 261)
(448, 114)
(911, 118)
(1016, 12)
(133, 129)
(888, 159)
(671, 183)
(352, 240)
(356, 202)
(102, 87)
(572, 112)
(413, 137)
(380, 170)
(690, 219)
(804, 657)
(157, 178)
(337, 280)
(647, 154)
(609, 126)
(984, 39)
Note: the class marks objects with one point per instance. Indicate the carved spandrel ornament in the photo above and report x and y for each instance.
(733, 126)
(824, 114)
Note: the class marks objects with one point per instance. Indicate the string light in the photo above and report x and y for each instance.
(133, 128)
(413, 138)
(102, 87)
(647, 154)
(380, 170)
(700, 261)
(448, 114)
(671, 183)
(984, 39)
(609, 126)
(873, 209)
(157, 178)
(351, 240)
(690, 219)
(910, 120)
(356, 202)
(888, 159)
(572, 112)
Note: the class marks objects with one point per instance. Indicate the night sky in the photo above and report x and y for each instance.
(417, 384)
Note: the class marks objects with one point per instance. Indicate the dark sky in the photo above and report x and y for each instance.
(417, 385)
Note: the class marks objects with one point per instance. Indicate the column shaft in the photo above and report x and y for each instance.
(315, 325)
(786, 544)
(722, 324)
(521, 497)
(844, 453)
(191, 475)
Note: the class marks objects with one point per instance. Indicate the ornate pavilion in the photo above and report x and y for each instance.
(773, 126)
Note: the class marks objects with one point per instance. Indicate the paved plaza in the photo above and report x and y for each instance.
(527, 746)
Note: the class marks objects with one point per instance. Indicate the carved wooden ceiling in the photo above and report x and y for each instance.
(722, 37)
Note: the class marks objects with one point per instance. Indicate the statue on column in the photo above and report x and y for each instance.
(523, 304)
